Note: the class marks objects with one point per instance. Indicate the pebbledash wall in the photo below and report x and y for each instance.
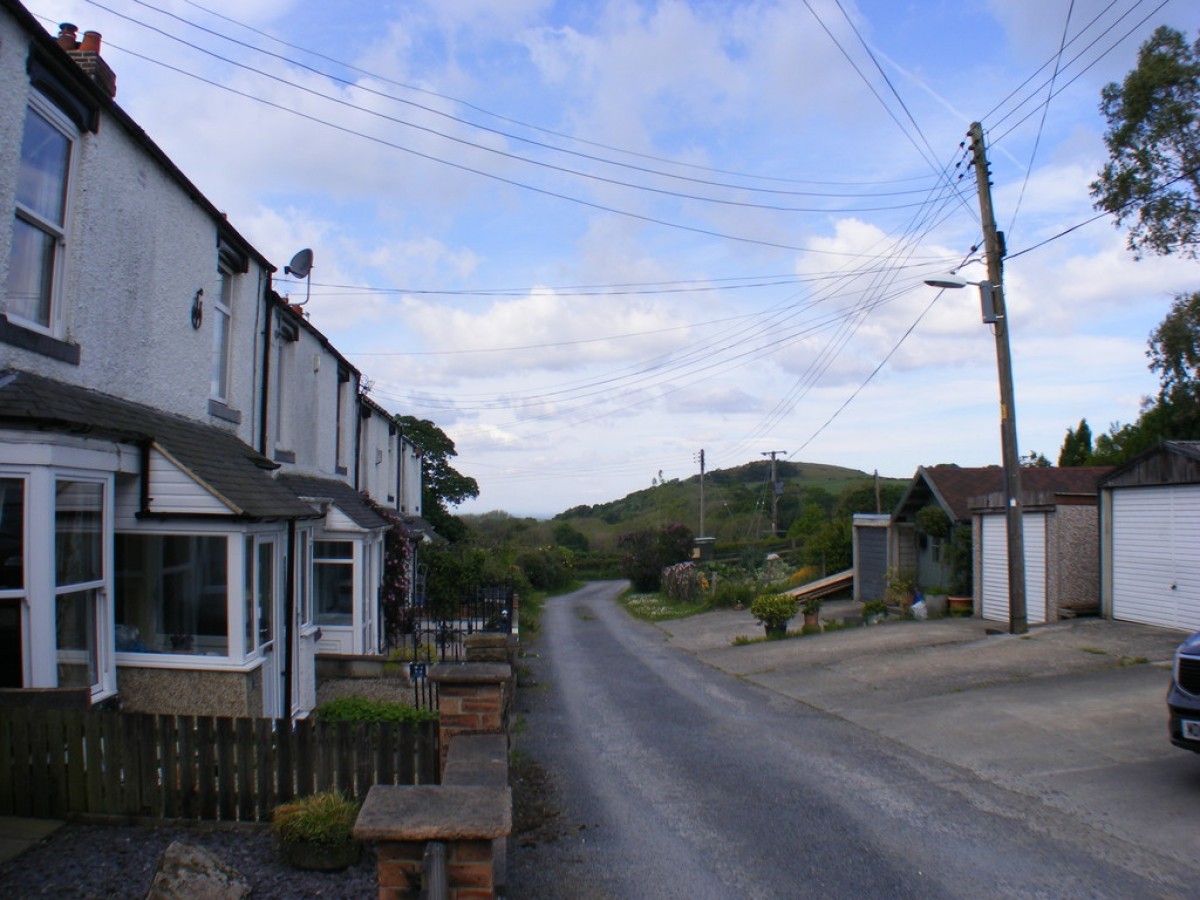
(132, 271)
(191, 692)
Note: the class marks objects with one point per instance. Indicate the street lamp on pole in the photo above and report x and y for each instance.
(992, 303)
(991, 294)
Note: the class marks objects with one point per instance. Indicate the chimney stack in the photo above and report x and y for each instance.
(87, 55)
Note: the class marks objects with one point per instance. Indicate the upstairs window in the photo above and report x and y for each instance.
(222, 316)
(341, 410)
(35, 271)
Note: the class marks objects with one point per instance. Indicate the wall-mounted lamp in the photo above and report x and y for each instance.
(197, 309)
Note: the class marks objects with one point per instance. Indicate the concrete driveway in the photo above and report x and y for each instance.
(1072, 714)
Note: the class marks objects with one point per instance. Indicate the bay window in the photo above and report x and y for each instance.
(173, 594)
(79, 580)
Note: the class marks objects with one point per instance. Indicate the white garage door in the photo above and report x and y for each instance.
(1156, 556)
(994, 589)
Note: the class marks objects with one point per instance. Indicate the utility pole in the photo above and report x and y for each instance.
(776, 490)
(1018, 622)
(701, 534)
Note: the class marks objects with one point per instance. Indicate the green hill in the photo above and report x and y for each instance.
(737, 502)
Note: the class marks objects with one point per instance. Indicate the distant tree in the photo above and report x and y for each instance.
(805, 525)
(1033, 459)
(645, 553)
(1077, 446)
(831, 547)
(1152, 179)
(571, 538)
(442, 486)
(497, 528)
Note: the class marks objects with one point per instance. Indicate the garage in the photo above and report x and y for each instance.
(1150, 548)
(993, 587)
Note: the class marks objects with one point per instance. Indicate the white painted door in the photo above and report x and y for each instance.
(994, 589)
(268, 606)
(1156, 556)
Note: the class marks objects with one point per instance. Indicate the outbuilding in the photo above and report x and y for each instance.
(1059, 526)
(1150, 538)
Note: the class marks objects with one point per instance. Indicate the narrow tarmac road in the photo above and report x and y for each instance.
(672, 779)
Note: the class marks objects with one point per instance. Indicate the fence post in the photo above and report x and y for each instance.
(472, 699)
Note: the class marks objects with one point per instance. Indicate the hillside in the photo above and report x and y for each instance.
(737, 501)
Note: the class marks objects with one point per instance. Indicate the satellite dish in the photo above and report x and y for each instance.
(301, 264)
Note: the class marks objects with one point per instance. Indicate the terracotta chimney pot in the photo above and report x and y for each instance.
(66, 36)
(91, 42)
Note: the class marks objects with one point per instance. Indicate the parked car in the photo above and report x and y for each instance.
(1183, 699)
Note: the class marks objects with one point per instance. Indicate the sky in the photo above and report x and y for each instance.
(591, 238)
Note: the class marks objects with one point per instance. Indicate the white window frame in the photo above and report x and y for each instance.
(55, 324)
(240, 566)
(40, 592)
(285, 373)
(223, 303)
(20, 595)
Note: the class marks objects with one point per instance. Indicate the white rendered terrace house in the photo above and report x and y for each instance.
(149, 548)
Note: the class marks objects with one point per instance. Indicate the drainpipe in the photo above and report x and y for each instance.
(359, 414)
(291, 632)
(265, 388)
(144, 488)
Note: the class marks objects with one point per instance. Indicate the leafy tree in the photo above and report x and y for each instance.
(1152, 180)
(811, 518)
(645, 553)
(1154, 174)
(571, 538)
(831, 547)
(1175, 355)
(1077, 446)
(1033, 459)
(442, 486)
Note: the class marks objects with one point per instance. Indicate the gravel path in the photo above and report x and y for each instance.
(102, 861)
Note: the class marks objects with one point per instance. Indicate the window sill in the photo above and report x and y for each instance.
(36, 342)
(182, 661)
(219, 410)
(284, 456)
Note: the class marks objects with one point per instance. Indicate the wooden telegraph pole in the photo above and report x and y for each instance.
(1018, 622)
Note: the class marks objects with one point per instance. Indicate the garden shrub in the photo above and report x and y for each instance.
(356, 708)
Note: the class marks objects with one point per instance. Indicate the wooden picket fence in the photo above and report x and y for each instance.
(56, 763)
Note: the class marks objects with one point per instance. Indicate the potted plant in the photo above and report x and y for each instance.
(774, 611)
(315, 832)
(812, 615)
(899, 587)
(874, 611)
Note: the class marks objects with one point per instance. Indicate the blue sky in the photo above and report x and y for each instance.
(589, 239)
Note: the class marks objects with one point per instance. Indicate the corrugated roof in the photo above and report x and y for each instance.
(216, 458)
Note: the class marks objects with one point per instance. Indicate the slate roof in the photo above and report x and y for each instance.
(955, 486)
(217, 459)
(345, 497)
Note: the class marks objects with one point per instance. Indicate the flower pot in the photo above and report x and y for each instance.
(316, 857)
(935, 604)
(812, 622)
(960, 606)
(776, 631)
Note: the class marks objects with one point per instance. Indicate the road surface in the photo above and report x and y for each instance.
(664, 778)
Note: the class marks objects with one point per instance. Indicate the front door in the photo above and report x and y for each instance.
(265, 581)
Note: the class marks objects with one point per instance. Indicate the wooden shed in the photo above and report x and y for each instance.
(870, 549)
(1150, 538)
